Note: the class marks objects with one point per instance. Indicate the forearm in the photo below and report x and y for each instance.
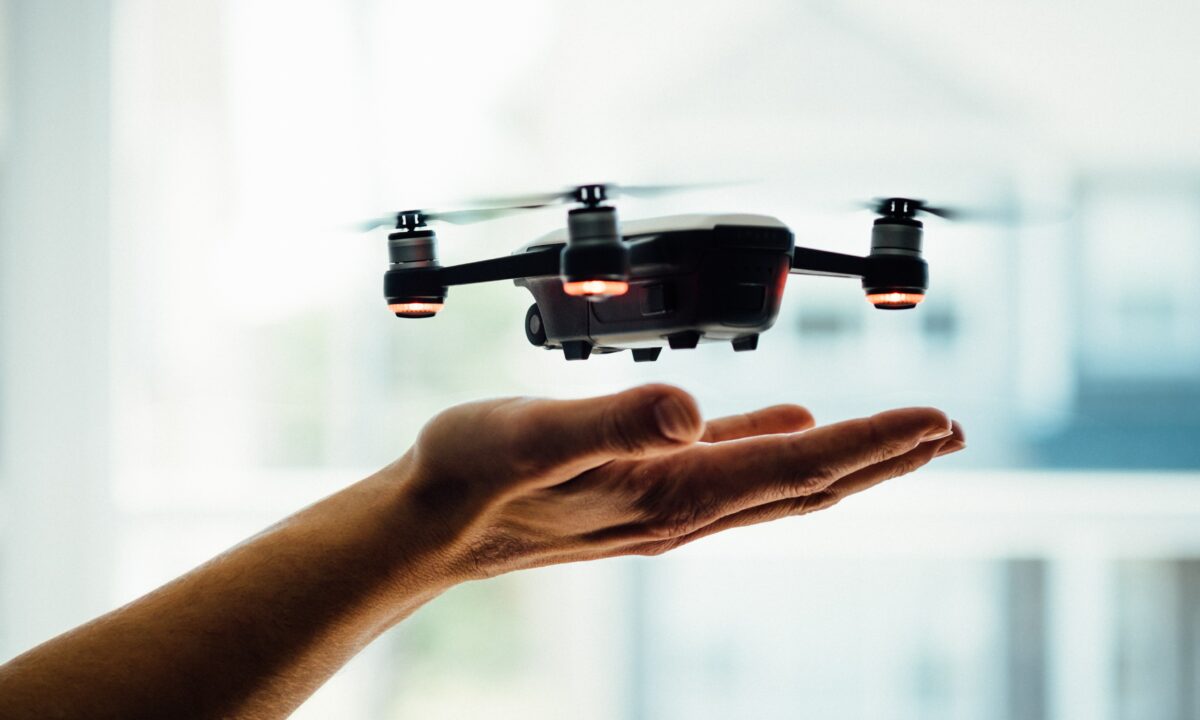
(253, 632)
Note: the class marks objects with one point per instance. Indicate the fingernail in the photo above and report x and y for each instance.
(674, 419)
(951, 447)
(938, 435)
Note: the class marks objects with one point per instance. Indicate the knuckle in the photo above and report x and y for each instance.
(883, 445)
(522, 434)
(815, 502)
(812, 479)
(910, 464)
(441, 427)
(680, 521)
(616, 432)
(667, 526)
(656, 390)
(519, 424)
(748, 423)
(656, 548)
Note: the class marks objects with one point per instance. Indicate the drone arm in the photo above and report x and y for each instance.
(807, 261)
(538, 263)
(891, 280)
(432, 281)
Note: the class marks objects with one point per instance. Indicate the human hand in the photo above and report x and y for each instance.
(521, 483)
(487, 488)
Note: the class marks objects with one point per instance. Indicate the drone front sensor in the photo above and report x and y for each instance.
(602, 286)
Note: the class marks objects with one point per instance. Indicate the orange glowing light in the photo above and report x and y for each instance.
(415, 308)
(596, 288)
(895, 299)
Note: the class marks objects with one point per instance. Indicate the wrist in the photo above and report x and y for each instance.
(415, 530)
(369, 549)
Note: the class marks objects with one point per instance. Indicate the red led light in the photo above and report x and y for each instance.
(415, 309)
(897, 300)
(596, 288)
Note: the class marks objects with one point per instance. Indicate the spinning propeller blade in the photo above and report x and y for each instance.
(909, 207)
(489, 208)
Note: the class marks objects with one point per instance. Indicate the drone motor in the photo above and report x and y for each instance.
(413, 244)
(595, 261)
(896, 276)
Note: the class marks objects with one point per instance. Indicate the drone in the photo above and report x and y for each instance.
(602, 286)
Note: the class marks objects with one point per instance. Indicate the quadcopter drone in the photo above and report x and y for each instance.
(602, 286)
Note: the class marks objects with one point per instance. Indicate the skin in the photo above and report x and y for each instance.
(488, 488)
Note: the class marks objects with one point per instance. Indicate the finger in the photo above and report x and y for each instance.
(896, 467)
(767, 421)
(702, 485)
(578, 434)
(850, 485)
(751, 472)
(956, 443)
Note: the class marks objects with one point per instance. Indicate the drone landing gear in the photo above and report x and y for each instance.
(576, 349)
(746, 342)
(684, 340)
(649, 354)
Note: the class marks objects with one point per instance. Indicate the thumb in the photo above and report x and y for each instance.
(634, 423)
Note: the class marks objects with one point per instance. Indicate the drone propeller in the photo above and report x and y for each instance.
(410, 219)
(908, 208)
(590, 194)
(490, 208)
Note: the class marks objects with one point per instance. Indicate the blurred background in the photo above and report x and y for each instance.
(193, 344)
